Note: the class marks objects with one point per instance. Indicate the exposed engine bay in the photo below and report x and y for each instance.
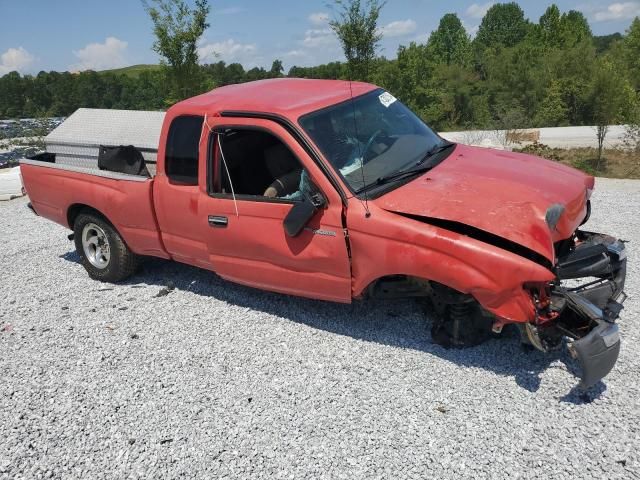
(579, 308)
(583, 304)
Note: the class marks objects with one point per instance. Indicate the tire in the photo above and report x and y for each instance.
(104, 254)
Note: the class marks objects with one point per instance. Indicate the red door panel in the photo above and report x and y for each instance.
(178, 211)
(252, 247)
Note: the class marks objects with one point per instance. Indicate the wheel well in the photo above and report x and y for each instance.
(398, 286)
(77, 209)
(403, 286)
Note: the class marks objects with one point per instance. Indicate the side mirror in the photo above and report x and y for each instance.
(302, 212)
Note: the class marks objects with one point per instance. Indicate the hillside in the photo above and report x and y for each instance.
(133, 71)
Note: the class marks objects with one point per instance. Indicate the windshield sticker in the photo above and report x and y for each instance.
(387, 99)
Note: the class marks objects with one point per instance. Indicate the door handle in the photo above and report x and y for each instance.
(218, 221)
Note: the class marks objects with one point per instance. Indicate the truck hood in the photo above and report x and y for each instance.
(523, 199)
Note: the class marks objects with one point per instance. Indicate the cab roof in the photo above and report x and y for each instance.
(289, 97)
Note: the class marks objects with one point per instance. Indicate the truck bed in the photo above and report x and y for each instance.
(89, 169)
(59, 192)
(77, 140)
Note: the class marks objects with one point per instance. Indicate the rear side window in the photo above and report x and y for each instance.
(181, 160)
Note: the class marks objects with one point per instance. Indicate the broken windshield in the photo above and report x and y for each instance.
(370, 138)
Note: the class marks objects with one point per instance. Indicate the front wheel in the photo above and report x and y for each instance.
(104, 254)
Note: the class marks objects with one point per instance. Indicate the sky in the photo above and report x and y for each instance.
(77, 35)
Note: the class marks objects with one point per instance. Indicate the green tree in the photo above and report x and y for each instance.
(62, 85)
(572, 68)
(234, 74)
(328, 71)
(631, 49)
(553, 111)
(276, 69)
(565, 30)
(356, 26)
(12, 95)
(256, 73)
(387, 75)
(576, 28)
(604, 42)
(550, 25)
(449, 43)
(632, 134)
(612, 100)
(177, 29)
(515, 82)
(504, 25)
(454, 99)
(41, 93)
(412, 73)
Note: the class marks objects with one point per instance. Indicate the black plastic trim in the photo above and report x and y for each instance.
(253, 198)
(597, 353)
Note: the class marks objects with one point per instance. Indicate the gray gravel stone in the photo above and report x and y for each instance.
(161, 389)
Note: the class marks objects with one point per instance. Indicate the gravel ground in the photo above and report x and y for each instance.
(216, 380)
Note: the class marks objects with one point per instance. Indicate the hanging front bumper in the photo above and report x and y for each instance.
(586, 313)
(597, 353)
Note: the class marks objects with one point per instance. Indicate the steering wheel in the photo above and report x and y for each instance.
(375, 135)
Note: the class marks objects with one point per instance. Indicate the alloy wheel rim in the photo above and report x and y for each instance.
(96, 246)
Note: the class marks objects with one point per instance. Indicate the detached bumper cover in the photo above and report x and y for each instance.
(595, 305)
(597, 353)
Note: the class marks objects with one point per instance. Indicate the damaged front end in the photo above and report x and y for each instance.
(582, 304)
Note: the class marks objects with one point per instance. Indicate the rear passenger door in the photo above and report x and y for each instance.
(177, 191)
(242, 221)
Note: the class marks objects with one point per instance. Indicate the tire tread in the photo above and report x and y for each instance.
(123, 262)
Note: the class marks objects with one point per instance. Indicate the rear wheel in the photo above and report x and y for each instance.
(104, 254)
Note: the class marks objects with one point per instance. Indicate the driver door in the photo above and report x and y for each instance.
(244, 231)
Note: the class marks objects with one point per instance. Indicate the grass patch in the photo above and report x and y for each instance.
(616, 163)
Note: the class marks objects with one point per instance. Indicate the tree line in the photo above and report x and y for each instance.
(58, 94)
(514, 73)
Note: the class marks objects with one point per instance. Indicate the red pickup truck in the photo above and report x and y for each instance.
(336, 191)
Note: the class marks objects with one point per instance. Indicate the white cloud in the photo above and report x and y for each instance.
(229, 50)
(15, 59)
(399, 28)
(617, 11)
(295, 54)
(319, 37)
(318, 45)
(230, 11)
(478, 10)
(101, 56)
(472, 30)
(319, 18)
